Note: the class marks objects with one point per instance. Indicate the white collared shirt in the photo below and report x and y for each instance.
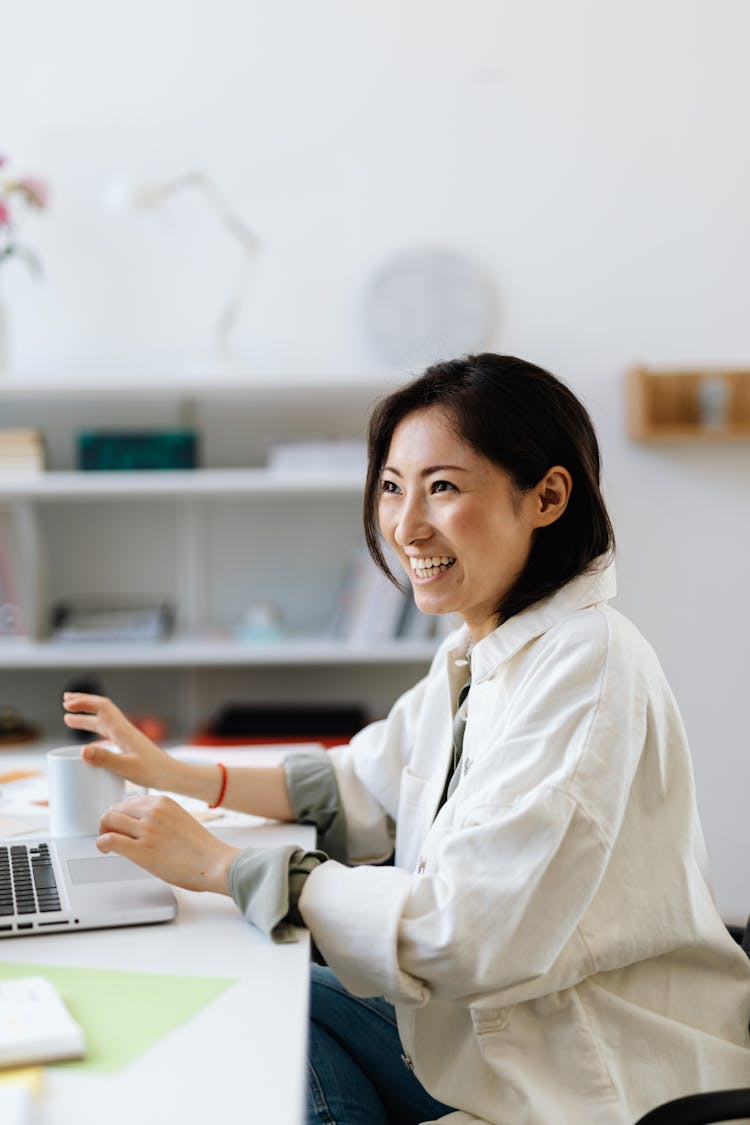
(550, 937)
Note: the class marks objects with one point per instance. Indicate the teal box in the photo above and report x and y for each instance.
(137, 449)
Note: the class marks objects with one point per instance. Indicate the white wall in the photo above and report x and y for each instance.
(591, 155)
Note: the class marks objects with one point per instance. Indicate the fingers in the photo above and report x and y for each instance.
(104, 756)
(159, 835)
(129, 821)
(92, 708)
(89, 712)
(119, 831)
(139, 809)
(83, 722)
(115, 820)
(141, 830)
(121, 845)
(81, 701)
(144, 805)
(84, 709)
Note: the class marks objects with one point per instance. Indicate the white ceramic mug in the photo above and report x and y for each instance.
(79, 793)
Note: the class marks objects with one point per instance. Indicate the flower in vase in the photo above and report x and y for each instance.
(16, 196)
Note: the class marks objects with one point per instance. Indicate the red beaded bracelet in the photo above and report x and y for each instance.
(223, 789)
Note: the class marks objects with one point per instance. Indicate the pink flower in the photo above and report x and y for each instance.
(34, 191)
(27, 190)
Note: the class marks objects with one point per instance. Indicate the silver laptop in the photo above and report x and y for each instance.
(58, 885)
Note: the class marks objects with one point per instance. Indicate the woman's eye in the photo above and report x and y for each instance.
(388, 486)
(443, 486)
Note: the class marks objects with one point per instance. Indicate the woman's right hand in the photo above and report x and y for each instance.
(139, 759)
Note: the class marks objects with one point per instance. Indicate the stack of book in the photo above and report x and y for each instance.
(12, 577)
(109, 622)
(318, 456)
(21, 449)
(370, 608)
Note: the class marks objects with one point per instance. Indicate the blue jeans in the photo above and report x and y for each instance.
(356, 1071)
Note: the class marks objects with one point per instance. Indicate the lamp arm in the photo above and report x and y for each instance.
(233, 224)
(231, 220)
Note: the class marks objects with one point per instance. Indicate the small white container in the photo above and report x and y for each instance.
(713, 400)
(79, 793)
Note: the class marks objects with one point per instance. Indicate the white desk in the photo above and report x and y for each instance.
(241, 1058)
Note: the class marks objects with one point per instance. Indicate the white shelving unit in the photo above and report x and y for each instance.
(187, 653)
(211, 541)
(182, 482)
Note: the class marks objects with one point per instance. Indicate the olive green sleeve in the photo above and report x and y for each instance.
(266, 883)
(314, 794)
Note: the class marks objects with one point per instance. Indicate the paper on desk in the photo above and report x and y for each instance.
(23, 787)
(23, 803)
(13, 825)
(122, 1013)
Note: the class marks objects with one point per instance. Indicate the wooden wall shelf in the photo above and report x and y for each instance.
(707, 405)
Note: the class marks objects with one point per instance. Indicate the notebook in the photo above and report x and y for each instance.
(35, 1024)
(58, 885)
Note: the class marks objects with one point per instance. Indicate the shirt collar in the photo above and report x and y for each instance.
(596, 584)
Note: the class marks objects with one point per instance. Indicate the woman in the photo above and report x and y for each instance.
(547, 932)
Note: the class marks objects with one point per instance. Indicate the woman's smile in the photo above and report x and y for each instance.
(430, 568)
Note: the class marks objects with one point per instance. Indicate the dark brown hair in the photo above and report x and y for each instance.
(525, 420)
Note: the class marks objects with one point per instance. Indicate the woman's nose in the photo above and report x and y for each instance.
(413, 524)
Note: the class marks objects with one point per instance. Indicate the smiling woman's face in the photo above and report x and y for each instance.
(458, 525)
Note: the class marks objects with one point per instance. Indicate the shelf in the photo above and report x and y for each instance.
(187, 482)
(693, 433)
(710, 405)
(189, 653)
(221, 539)
(161, 387)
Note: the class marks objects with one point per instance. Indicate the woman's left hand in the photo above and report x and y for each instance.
(159, 835)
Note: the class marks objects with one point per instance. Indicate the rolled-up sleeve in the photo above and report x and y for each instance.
(266, 884)
(314, 794)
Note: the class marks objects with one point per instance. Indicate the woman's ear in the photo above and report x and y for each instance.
(552, 495)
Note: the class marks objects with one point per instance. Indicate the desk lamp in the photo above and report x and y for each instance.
(124, 195)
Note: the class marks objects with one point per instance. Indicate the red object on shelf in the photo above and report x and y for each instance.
(151, 725)
(205, 738)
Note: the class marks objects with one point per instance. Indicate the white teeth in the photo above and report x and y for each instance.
(423, 565)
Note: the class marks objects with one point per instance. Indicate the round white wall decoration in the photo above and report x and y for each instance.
(428, 304)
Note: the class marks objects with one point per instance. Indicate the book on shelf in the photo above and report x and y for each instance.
(21, 450)
(415, 625)
(137, 450)
(15, 578)
(370, 608)
(318, 456)
(110, 621)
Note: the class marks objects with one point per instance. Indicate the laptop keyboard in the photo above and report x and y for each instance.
(27, 880)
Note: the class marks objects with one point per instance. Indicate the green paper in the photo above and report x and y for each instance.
(123, 1013)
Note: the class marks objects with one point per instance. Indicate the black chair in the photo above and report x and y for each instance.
(704, 1109)
(700, 1109)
